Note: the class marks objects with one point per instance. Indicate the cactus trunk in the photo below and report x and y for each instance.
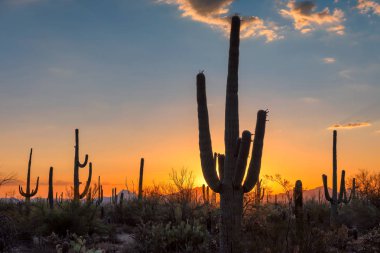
(298, 210)
(141, 179)
(50, 194)
(232, 166)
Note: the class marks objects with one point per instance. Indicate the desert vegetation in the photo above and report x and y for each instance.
(234, 212)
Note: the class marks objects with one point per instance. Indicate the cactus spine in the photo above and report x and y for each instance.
(50, 194)
(259, 194)
(141, 179)
(298, 210)
(230, 183)
(28, 193)
(77, 165)
(335, 200)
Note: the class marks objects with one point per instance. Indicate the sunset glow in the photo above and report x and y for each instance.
(123, 72)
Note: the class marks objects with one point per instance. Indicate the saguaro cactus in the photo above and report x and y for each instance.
(28, 193)
(114, 196)
(141, 179)
(50, 193)
(335, 200)
(259, 193)
(77, 165)
(100, 193)
(298, 209)
(230, 183)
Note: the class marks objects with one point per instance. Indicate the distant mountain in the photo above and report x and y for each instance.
(128, 195)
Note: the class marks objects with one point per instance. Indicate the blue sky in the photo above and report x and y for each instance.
(123, 71)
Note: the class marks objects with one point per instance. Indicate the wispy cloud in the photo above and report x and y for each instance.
(309, 100)
(329, 60)
(368, 6)
(350, 125)
(306, 19)
(215, 14)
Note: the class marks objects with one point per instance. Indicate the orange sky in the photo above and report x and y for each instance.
(291, 150)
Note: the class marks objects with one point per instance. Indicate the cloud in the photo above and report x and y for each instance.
(214, 13)
(329, 60)
(368, 6)
(309, 100)
(350, 125)
(306, 19)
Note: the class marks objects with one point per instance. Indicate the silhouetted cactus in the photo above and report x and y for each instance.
(335, 200)
(59, 199)
(50, 193)
(114, 197)
(100, 193)
(77, 165)
(230, 183)
(28, 193)
(259, 193)
(140, 194)
(298, 210)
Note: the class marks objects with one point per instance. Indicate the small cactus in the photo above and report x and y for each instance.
(50, 194)
(298, 209)
(114, 197)
(100, 193)
(28, 193)
(140, 194)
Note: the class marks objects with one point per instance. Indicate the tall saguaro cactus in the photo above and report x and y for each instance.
(232, 166)
(28, 193)
(336, 199)
(50, 193)
(77, 165)
(141, 179)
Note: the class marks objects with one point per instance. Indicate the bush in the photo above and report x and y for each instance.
(184, 237)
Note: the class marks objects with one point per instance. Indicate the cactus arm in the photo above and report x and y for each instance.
(34, 192)
(84, 193)
(327, 194)
(257, 151)
(21, 191)
(84, 164)
(241, 162)
(262, 196)
(221, 167)
(342, 191)
(205, 146)
(231, 133)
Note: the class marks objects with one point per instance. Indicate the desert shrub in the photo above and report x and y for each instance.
(81, 219)
(7, 233)
(184, 237)
(316, 214)
(360, 214)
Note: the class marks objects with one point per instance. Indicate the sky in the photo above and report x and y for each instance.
(123, 72)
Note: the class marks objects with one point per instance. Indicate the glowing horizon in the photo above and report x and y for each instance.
(127, 82)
